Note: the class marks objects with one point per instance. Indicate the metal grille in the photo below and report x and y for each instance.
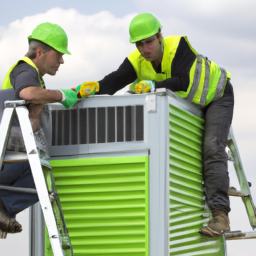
(186, 196)
(105, 205)
(97, 125)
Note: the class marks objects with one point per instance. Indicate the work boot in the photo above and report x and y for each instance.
(217, 225)
(8, 224)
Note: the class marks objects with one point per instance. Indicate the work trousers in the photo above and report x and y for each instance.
(218, 118)
(17, 174)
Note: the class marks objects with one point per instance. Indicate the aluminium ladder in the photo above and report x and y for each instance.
(244, 193)
(49, 201)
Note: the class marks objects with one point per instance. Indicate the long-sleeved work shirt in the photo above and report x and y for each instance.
(126, 74)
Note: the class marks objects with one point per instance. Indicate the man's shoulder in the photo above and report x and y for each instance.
(24, 75)
(23, 66)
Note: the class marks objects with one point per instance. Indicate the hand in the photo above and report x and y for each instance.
(34, 115)
(145, 86)
(87, 88)
(35, 111)
(70, 98)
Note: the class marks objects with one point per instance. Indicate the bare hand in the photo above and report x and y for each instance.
(35, 111)
(34, 115)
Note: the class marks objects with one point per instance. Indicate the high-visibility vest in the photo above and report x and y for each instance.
(7, 81)
(207, 79)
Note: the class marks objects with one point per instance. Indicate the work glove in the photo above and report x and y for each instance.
(69, 98)
(145, 86)
(87, 88)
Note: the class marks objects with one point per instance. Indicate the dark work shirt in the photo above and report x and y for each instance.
(179, 80)
(22, 76)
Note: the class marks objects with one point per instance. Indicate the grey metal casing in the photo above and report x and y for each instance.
(155, 143)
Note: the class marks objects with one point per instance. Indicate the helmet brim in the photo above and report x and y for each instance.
(64, 51)
(138, 38)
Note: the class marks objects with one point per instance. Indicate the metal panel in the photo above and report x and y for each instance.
(118, 124)
(105, 204)
(186, 196)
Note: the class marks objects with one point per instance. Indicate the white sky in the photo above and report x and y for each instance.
(99, 42)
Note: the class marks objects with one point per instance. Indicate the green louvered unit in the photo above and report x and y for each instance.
(130, 179)
(186, 198)
(105, 205)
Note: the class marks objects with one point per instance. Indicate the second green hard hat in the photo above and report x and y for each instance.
(51, 34)
(143, 26)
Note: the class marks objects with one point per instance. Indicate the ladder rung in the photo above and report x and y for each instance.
(12, 156)
(16, 189)
(237, 235)
(234, 192)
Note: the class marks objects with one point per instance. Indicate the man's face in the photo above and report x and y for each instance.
(150, 48)
(50, 62)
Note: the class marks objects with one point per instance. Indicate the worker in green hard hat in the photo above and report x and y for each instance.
(47, 45)
(172, 63)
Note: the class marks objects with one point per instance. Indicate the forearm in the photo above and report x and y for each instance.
(39, 95)
(118, 79)
(175, 84)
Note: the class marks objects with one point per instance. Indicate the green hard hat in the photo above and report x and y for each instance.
(143, 26)
(51, 34)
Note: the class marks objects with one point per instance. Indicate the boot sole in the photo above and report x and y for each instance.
(209, 232)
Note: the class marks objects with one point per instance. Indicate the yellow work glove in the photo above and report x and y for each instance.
(145, 86)
(87, 88)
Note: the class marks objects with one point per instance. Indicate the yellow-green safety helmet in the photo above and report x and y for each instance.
(143, 26)
(51, 34)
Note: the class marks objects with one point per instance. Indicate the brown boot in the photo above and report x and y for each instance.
(217, 225)
(8, 224)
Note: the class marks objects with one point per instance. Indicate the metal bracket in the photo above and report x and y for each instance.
(151, 103)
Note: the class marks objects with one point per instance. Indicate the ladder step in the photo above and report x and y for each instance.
(237, 235)
(13, 156)
(235, 192)
(16, 189)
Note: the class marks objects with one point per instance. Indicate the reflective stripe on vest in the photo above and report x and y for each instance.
(217, 85)
(7, 81)
(206, 84)
(207, 79)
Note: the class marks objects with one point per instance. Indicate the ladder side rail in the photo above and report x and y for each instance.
(39, 180)
(244, 186)
(5, 129)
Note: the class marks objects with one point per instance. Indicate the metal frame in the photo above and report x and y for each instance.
(23, 116)
(155, 119)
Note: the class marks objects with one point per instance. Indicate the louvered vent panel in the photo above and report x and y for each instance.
(97, 125)
(105, 204)
(186, 197)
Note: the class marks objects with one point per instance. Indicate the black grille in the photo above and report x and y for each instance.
(97, 125)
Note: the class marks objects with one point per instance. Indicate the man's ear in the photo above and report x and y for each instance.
(39, 52)
(159, 37)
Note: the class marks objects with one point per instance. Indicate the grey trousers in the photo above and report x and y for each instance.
(218, 118)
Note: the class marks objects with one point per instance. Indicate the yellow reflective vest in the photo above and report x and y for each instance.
(207, 79)
(7, 81)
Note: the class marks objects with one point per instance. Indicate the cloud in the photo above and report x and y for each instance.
(221, 30)
(99, 43)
